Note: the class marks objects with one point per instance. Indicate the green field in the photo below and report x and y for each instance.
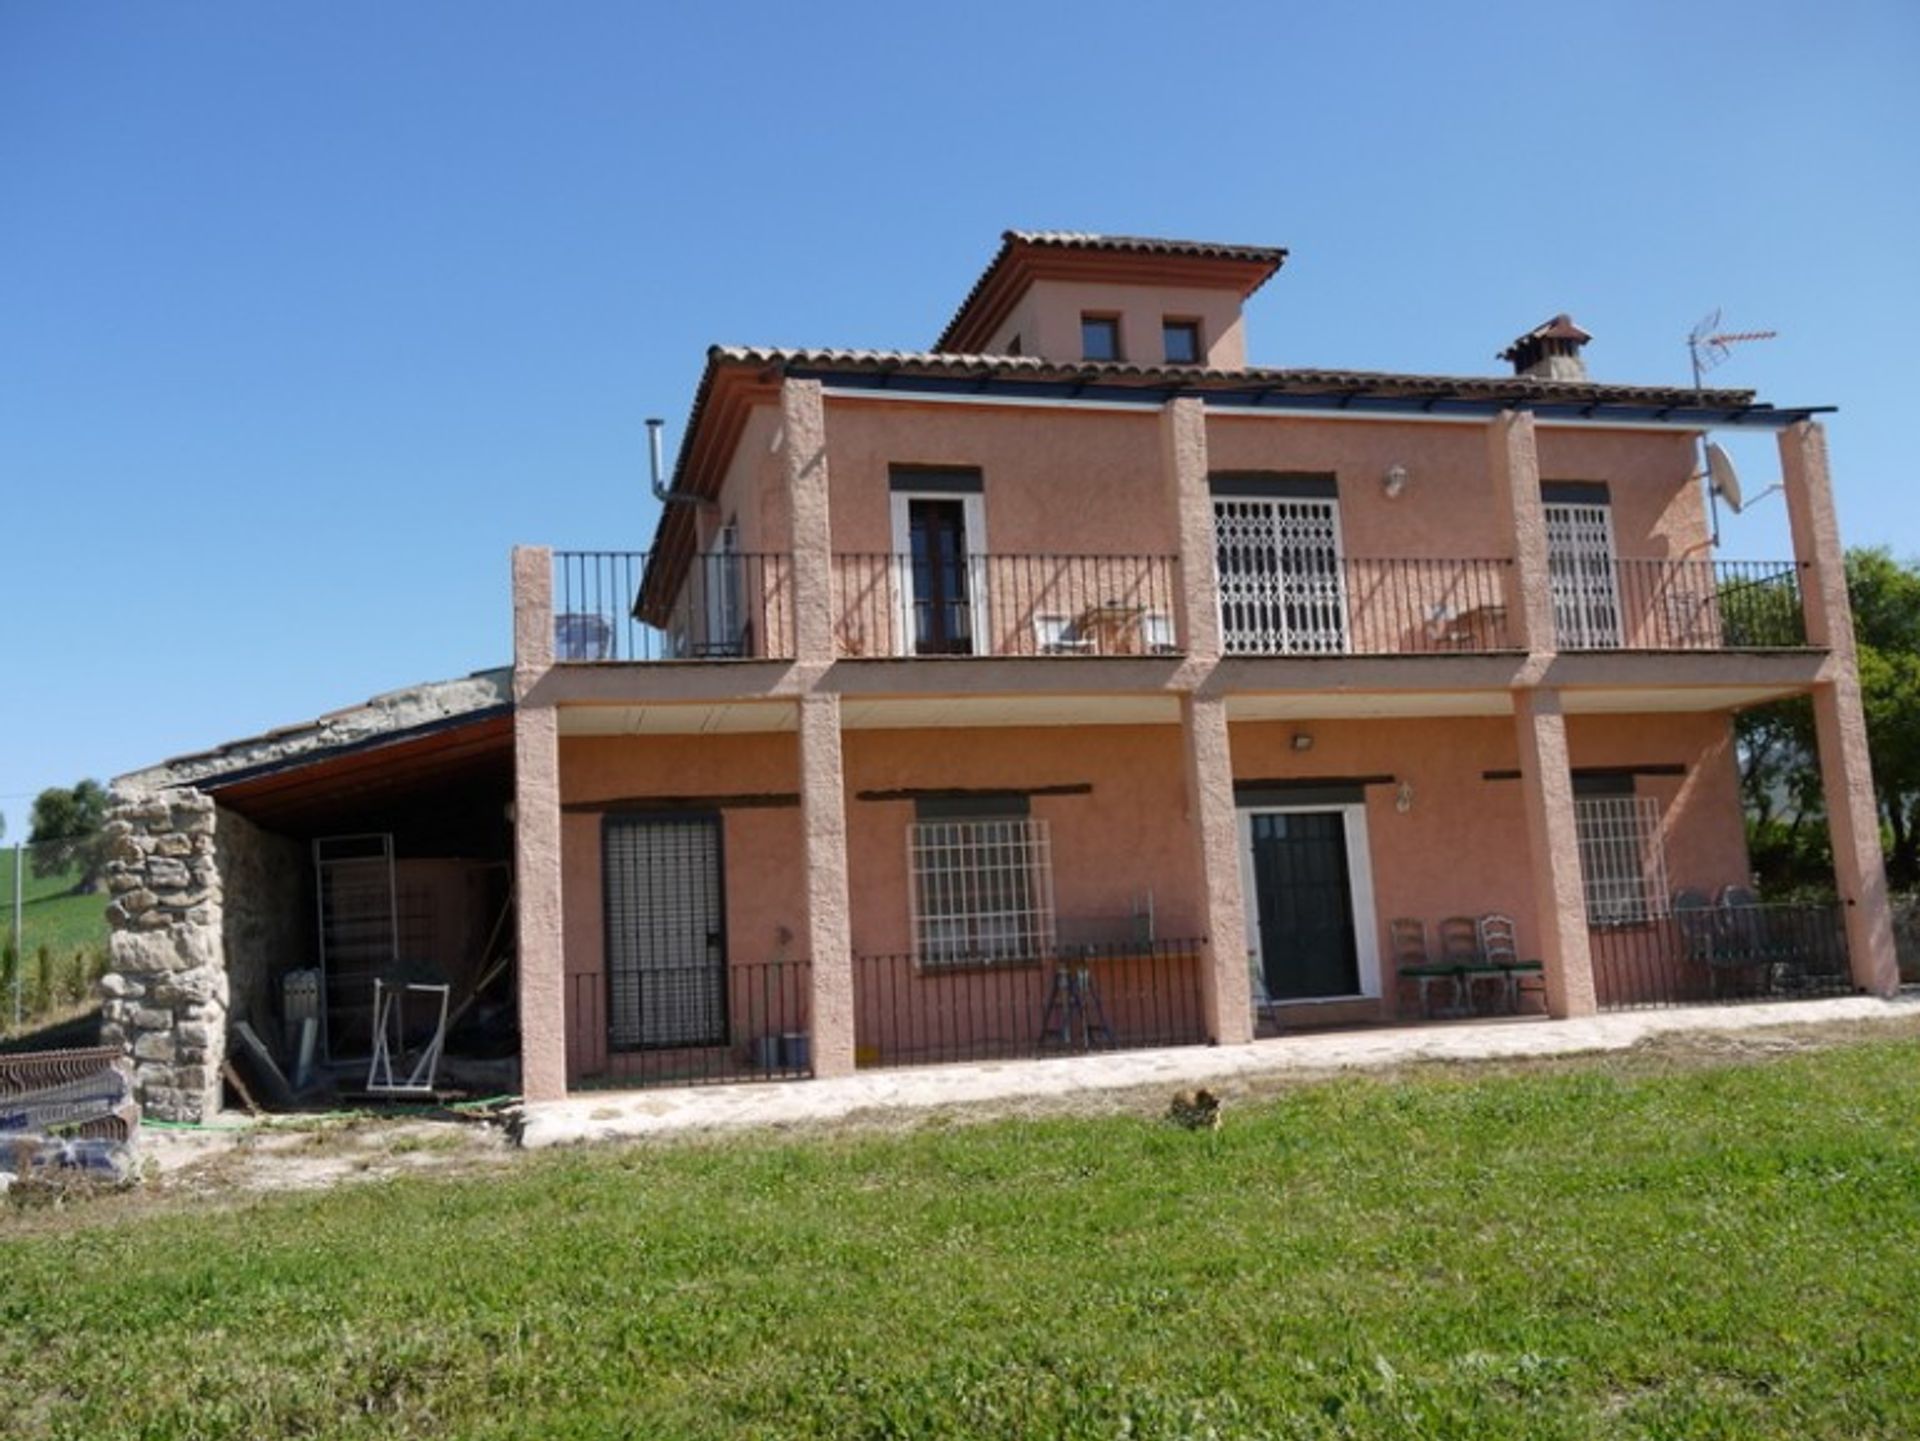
(1594, 1249)
(70, 925)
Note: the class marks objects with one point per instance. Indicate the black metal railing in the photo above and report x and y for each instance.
(1005, 605)
(1361, 606)
(724, 606)
(1127, 996)
(691, 1025)
(1679, 605)
(1721, 954)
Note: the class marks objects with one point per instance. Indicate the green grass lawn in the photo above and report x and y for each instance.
(1581, 1250)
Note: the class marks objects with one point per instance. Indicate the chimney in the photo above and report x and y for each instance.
(1550, 351)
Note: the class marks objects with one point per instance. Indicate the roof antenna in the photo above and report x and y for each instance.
(1707, 346)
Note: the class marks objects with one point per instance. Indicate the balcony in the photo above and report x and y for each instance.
(730, 606)
(1005, 605)
(1605, 603)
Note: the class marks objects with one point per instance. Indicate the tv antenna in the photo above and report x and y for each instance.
(1708, 346)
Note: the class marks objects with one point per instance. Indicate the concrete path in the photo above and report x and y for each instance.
(611, 1115)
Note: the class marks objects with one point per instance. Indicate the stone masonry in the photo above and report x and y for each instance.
(166, 992)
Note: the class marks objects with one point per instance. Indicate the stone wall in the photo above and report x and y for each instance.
(265, 917)
(166, 991)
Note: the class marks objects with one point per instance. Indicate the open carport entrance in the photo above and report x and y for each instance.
(386, 860)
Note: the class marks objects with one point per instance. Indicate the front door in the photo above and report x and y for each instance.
(941, 599)
(1303, 904)
(666, 941)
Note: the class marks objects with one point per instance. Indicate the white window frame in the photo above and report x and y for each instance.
(954, 933)
(1584, 575)
(1623, 858)
(1366, 923)
(973, 519)
(1284, 640)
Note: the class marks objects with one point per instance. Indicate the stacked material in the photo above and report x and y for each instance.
(67, 1110)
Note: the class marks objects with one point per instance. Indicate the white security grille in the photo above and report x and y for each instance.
(982, 889)
(1580, 568)
(1622, 860)
(1282, 591)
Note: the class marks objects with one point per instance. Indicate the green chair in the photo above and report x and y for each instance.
(1412, 963)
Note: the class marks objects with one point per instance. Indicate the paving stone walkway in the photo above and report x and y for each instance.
(609, 1115)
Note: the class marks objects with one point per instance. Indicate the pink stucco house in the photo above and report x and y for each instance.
(1076, 683)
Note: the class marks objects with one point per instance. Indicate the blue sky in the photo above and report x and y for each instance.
(309, 312)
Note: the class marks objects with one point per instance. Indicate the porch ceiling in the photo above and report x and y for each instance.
(1671, 699)
(1360, 705)
(912, 712)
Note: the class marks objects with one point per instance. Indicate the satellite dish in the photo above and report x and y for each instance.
(1722, 477)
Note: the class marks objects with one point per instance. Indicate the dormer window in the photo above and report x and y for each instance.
(1181, 341)
(1100, 337)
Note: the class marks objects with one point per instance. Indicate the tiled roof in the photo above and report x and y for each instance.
(1265, 259)
(1202, 378)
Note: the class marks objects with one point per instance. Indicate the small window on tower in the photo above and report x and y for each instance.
(1182, 339)
(1100, 337)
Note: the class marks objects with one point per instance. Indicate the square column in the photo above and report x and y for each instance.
(1183, 458)
(1553, 848)
(1225, 990)
(1513, 460)
(803, 442)
(541, 964)
(823, 821)
(1839, 721)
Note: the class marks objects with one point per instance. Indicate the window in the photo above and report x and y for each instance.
(1100, 337)
(1282, 579)
(982, 882)
(1182, 341)
(1623, 864)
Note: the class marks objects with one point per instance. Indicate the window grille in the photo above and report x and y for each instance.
(1282, 591)
(1622, 860)
(982, 889)
(1581, 572)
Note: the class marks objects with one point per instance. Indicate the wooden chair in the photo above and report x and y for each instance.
(1499, 948)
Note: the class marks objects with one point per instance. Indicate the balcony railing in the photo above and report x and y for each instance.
(729, 606)
(910, 1011)
(1601, 604)
(1005, 605)
(692, 1025)
(1721, 953)
(1357, 606)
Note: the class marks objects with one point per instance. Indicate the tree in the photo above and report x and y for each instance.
(1779, 766)
(67, 833)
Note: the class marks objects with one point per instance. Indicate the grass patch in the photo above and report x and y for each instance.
(63, 944)
(1581, 1252)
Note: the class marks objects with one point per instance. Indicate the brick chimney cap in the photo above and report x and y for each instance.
(1561, 327)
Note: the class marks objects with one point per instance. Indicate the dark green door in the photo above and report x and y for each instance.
(1304, 898)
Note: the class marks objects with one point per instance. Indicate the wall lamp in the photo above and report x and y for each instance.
(1394, 481)
(1301, 741)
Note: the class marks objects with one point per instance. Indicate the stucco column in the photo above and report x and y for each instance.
(823, 820)
(1183, 458)
(536, 835)
(1839, 721)
(1553, 851)
(1225, 993)
(803, 429)
(1513, 461)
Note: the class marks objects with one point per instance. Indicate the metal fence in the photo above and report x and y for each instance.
(724, 606)
(1359, 606)
(1005, 605)
(1683, 605)
(1769, 951)
(1125, 996)
(53, 931)
(750, 1023)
